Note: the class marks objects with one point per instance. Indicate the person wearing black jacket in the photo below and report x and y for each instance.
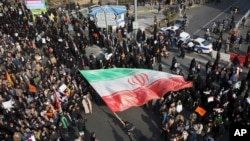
(174, 61)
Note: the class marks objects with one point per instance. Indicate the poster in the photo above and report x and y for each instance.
(36, 6)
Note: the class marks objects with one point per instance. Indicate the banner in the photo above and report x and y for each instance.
(64, 89)
(210, 99)
(200, 111)
(241, 58)
(36, 6)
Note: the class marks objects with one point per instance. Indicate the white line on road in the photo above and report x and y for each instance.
(191, 57)
(197, 31)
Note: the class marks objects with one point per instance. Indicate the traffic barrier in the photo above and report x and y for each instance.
(241, 58)
(239, 22)
(223, 56)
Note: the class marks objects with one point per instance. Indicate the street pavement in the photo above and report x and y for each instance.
(243, 31)
(107, 126)
(199, 20)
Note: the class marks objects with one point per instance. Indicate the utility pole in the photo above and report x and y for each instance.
(135, 10)
(106, 22)
(135, 23)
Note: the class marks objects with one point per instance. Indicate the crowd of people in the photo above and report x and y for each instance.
(225, 105)
(43, 96)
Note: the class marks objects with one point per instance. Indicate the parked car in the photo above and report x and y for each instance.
(175, 30)
(184, 36)
(170, 29)
(198, 44)
(179, 22)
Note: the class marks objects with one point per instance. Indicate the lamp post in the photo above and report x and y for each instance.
(135, 10)
(136, 17)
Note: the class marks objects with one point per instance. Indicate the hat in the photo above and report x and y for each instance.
(27, 130)
(173, 104)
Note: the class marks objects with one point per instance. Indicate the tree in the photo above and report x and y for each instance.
(152, 2)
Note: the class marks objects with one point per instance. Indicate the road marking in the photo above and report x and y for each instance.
(197, 31)
(190, 58)
(143, 11)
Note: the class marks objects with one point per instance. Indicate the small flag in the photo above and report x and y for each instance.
(64, 122)
(32, 88)
(200, 111)
(9, 78)
(81, 133)
(57, 102)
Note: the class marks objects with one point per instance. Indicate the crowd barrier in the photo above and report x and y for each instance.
(223, 56)
(239, 22)
(229, 57)
(242, 58)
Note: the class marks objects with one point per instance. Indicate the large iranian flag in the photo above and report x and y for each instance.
(122, 88)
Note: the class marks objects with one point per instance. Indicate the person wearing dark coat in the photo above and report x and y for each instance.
(236, 61)
(243, 86)
(248, 76)
(160, 67)
(182, 55)
(220, 133)
(93, 137)
(192, 66)
(81, 123)
(174, 61)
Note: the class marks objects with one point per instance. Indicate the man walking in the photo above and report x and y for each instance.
(240, 41)
(159, 7)
(243, 22)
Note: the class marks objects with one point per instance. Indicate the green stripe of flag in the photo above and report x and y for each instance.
(108, 74)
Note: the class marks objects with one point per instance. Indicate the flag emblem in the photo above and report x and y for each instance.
(138, 79)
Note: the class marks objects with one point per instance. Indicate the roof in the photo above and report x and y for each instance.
(108, 9)
(170, 28)
(184, 35)
(199, 39)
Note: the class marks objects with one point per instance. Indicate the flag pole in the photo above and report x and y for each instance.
(120, 119)
(129, 133)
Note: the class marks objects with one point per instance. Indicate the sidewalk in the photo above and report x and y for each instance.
(243, 31)
(154, 9)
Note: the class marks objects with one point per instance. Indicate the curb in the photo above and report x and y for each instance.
(193, 6)
(143, 11)
(155, 10)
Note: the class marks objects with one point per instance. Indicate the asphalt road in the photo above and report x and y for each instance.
(201, 17)
(107, 126)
